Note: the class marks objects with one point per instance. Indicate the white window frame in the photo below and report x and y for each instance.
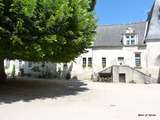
(30, 64)
(121, 60)
(7, 64)
(138, 60)
(84, 62)
(90, 62)
(20, 63)
(104, 63)
(128, 39)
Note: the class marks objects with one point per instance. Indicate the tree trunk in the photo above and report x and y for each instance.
(3, 75)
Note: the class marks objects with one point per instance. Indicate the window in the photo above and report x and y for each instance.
(7, 65)
(128, 42)
(132, 36)
(103, 62)
(121, 60)
(29, 64)
(20, 63)
(130, 39)
(138, 59)
(133, 42)
(65, 66)
(90, 62)
(127, 36)
(84, 62)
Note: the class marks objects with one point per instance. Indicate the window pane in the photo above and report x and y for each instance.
(127, 36)
(137, 55)
(138, 59)
(103, 62)
(7, 64)
(128, 42)
(89, 62)
(121, 60)
(132, 36)
(29, 64)
(130, 39)
(20, 63)
(84, 62)
(133, 42)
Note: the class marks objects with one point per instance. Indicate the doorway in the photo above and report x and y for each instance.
(122, 78)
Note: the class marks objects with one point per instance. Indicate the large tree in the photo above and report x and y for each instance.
(92, 5)
(44, 30)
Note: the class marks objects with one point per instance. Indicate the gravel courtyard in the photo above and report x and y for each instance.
(78, 100)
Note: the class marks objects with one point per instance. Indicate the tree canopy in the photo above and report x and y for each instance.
(92, 4)
(45, 30)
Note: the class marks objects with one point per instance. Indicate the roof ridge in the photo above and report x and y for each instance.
(124, 24)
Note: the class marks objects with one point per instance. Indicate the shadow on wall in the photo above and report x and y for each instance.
(46, 70)
(38, 70)
(27, 90)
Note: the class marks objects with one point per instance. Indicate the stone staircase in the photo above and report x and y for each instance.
(129, 75)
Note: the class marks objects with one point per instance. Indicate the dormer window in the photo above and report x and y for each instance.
(130, 37)
(127, 39)
(133, 41)
(130, 40)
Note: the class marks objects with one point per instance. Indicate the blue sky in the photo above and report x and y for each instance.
(122, 11)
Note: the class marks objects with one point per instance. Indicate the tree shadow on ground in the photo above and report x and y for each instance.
(27, 90)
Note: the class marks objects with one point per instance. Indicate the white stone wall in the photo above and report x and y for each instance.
(48, 67)
(78, 70)
(9, 67)
(51, 67)
(150, 61)
(133, 75)
(153, 52)
(112, 55)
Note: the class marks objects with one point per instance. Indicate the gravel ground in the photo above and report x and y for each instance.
(78, 100)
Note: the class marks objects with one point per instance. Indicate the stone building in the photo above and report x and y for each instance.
(127, 53)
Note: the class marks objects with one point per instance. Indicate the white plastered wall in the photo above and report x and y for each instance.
(153, 52)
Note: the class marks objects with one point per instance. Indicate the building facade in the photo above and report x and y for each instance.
(132, 49)
(120, 53)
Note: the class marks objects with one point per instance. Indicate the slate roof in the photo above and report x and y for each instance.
(111, 35)
(153, 32)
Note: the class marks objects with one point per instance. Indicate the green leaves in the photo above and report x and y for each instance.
(29, 6)
(92, 5)
(16, 40)
(45, 30)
